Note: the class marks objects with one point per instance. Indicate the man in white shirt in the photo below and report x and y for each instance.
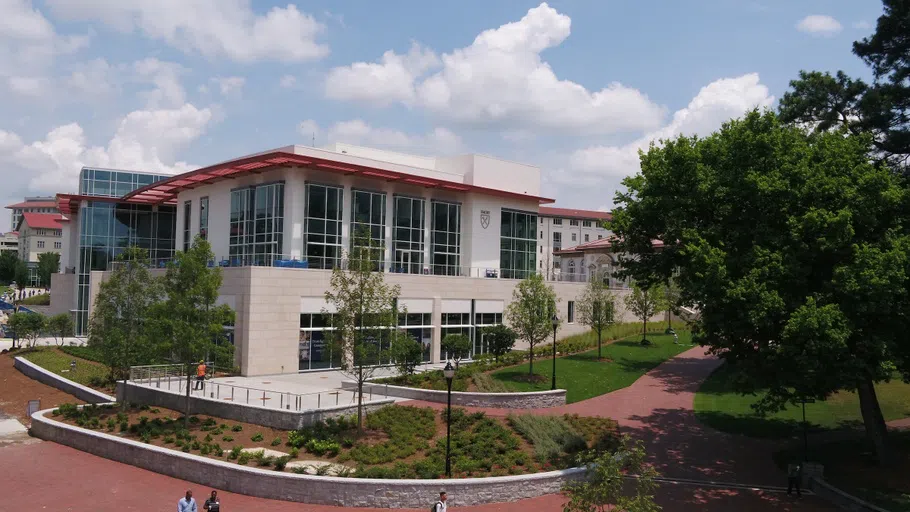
(188, 504)
(441, 504)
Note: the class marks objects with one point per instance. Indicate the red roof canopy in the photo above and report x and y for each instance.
(549, 211)
(42, 220)
(69, 203)
(34, 204)
(165, 191)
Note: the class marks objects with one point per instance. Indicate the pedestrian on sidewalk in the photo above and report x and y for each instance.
(213, 504)
(794, 478)
(187, 503)
(440, 505)
(200, 376)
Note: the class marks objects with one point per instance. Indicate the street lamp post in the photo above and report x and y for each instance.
(555, 320)
(449, 373)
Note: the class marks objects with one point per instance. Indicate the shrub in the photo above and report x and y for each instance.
(276, 441)
(281, 462)
(237, 428)
(300, 470)
(320, 447)
(227, 439)
(265, 461)
(256, 437)
(111, 424)
(194, 420)
(186, 448)
(216, 450)
(196, 445)
(243, 459)
(235, 452)
(209, 422)
(168, 439)
(97, 381)
(553, 438)
(145, 437)
(124, 426)
(294, 452)
(205, 449)
(208, 438)
(487, 384)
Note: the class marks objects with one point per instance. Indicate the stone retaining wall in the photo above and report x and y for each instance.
(322, 490)
(529, 400)
(84, 393)
(839, 498)
(265, 416)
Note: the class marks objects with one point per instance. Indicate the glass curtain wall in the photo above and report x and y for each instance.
(446, 238)
(187, 210)
(456, 323)
(257, 225)
(106, 229)
(204, 218)
(368, 219)
(407, 248)
(315, 350)
(107, 183)
(482, 320)
(518, 244)
(322, 226)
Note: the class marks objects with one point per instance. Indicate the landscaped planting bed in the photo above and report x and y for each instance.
(397, 441)
(88, 373)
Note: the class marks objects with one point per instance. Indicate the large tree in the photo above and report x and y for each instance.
(121, 316)
(60, 326)
(795, 248)
(26, 326)
(20, 274)
(881, 108)
(189, 322)
(530, 312)
(8, 261)
(365, 314)
(48, 263)
(596, 308)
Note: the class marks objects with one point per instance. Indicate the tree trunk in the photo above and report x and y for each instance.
(531, 367)
(186, 407)
(599, 355)
(644, 328)
(669, 318)
(360, 399)
(873, 420)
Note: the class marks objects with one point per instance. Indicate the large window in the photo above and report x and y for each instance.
(456, 323)
(557, 241)
(482, 320)
(557, 222)
(257, 225)
(368, 219)
(517, 256)
(315, 352)
(187, 210)
(204, 218)
(407, 249)
(322, 225)
(446, 238)
(420, 327)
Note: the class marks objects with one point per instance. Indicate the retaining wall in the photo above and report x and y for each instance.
(265, 416)
(529, 400)
(839, 498)
(322, 490)
(84, 393)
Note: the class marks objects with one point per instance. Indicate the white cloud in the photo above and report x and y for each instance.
(357, 131)
(145, 140)
(391, 80)
(165, 76)
(96, 78)
(213, 28)
(34, 86)
(230, 86)
(819, 25)
(605, 166)
(499, 80)
(287, 81)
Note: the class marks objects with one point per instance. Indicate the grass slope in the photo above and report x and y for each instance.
(54, 360)
(583, 376)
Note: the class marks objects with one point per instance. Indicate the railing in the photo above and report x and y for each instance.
(172, 378)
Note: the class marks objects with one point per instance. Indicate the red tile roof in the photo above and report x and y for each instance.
(34, 204)
(603, 243)
(573, 213)
(42, 220)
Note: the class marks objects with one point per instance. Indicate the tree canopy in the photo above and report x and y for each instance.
(597, 309)
(530, 312)
(795, 248)
(48, 263)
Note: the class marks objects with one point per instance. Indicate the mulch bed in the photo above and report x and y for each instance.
(16, 390)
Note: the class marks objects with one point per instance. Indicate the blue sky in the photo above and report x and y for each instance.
(573, 86)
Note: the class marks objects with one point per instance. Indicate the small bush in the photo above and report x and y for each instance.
(281, 462)
(243, 459)
(235, 452)
(237, 428)
(320, 447)
(168, 439)
(208, 438)
(145, 437)
(196, 445)
(323, 470)
(205, 449)
(209, 422)
(111, 424)
(186, 448)
(300, 470)
(227, 439)
(194, 420)
(276, 441)
(217, 451)
(294, 452)
(124, 426)
(256, 437)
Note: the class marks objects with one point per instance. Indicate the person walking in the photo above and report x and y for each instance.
(200, 376)
(440, 505)
(187, 503)
(213, 504)
(794, 479)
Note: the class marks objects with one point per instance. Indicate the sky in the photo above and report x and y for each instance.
(575, 87)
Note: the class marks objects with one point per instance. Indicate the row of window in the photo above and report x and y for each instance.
(57, 245)
(49, 232)
(573, 222)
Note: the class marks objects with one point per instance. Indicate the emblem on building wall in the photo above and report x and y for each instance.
(484, 218)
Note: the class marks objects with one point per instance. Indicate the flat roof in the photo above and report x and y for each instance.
(165, 191)
(69, 203)
(551, 211)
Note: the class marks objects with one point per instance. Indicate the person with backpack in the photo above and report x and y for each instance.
(794, 477)
(440, 505)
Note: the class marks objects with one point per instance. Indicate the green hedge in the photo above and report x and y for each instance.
(43, 299)
(86, 352)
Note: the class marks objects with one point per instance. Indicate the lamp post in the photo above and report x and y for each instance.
(449, 373)
(555, 320)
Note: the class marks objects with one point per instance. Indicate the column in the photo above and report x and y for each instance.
(389, 230)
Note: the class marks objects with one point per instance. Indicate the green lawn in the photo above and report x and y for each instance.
(849, 466)
(56, 361)
(583, 376)
(717, 406)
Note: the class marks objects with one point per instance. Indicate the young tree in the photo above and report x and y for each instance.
(189, 322)
(605, 487)
(406, 351)
(530, 312)
(597, 309)
(21, 276)
(672, 301)
(8, 261)
(48, 263)
(499, 339)
(60, 327)
(457, 346)
(644, 303)
(27, 326)
(798, 260)
(120, 326)
(365, 312)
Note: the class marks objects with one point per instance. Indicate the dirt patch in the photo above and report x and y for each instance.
(16, 390)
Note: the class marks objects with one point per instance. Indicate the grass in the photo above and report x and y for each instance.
(716, 405)
(43, 299)
(552, 436)
(58, 362)
(850, 467)
(583, 376)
